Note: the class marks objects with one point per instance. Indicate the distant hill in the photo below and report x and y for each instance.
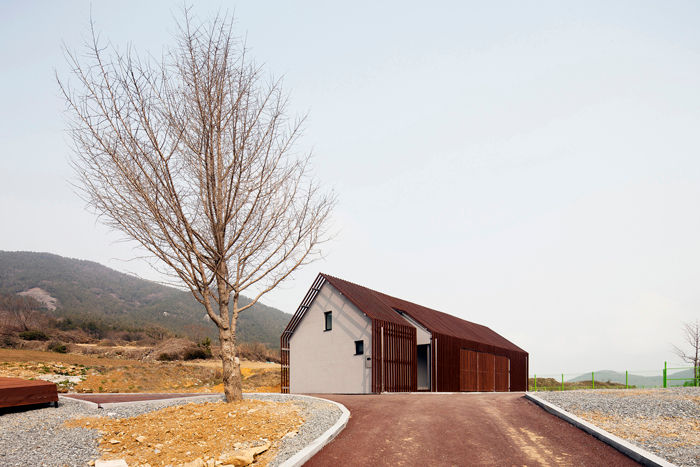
(86, 290)
(636, 380)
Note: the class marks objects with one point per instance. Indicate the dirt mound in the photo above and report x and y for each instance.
(185, 433)
(172, 349)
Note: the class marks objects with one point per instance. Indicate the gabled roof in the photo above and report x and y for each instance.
(384, 307)
(368, 301)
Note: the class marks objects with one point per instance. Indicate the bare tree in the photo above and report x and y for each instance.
(20, 310)
(193, 156)
(691, 336)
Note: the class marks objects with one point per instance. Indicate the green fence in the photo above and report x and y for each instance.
(662, 378)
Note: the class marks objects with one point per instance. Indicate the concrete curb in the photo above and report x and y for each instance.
(316, 445)
(630, 450)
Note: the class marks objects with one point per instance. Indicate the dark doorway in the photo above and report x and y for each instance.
(423, 361)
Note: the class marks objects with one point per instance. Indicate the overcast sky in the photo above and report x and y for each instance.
(530, 166)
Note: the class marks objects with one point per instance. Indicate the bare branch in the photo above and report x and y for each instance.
(193, 156)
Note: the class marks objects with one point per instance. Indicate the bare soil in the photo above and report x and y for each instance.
(90, 373)
(209, 431)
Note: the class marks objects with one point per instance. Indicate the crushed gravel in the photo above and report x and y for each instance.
(37, 436)
(319, 416)
(663, 421)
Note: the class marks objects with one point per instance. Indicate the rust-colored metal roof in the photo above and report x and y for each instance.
(378, 305)
(368, 301)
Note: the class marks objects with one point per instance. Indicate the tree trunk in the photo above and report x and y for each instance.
(231, 366)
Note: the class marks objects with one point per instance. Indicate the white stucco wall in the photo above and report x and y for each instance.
(422, 334)
(325, 361)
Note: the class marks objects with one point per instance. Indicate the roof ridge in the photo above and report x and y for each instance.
(430, 318)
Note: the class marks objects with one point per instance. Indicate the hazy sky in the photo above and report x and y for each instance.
(530, 166)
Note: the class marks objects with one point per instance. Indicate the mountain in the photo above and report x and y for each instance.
(85, 290)
(638, 380)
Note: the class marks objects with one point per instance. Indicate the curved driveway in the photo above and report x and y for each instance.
(458, 429)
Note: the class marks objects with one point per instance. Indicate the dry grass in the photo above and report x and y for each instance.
(681, 431)
(23, 355)
(184, 433)
(551, 384)
(124, 375)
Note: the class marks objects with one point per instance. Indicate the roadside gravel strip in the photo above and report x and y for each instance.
(665, 422)
(37, 437)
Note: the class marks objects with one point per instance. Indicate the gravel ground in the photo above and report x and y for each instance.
(37, 437)
(663, 421)
(319, 416)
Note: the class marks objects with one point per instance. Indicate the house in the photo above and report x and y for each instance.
(345, 338)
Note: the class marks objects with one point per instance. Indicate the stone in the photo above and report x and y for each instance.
(114, 441)
(198, 462)
(260, 449)
(140, 439)
(111, 463)
(240, 458)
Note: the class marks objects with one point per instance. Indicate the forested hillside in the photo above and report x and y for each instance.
(88, 291)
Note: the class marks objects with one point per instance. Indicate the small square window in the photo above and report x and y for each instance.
(359, 347)
(329, 320)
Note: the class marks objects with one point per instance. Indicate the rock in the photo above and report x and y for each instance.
(260, 449)
(198, 462)
(111, 463)
(114, 441)
(140, 439)
(91, 463)
(240, 458)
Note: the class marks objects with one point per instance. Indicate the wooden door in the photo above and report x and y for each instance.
(502, 373)
(486, 370)
(468, 375)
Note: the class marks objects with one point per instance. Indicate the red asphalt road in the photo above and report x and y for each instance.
(458, 430)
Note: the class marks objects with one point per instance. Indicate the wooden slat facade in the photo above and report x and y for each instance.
(394, 365)
(486, 369)
(502, 373)
(468, 377)
(480, 371)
